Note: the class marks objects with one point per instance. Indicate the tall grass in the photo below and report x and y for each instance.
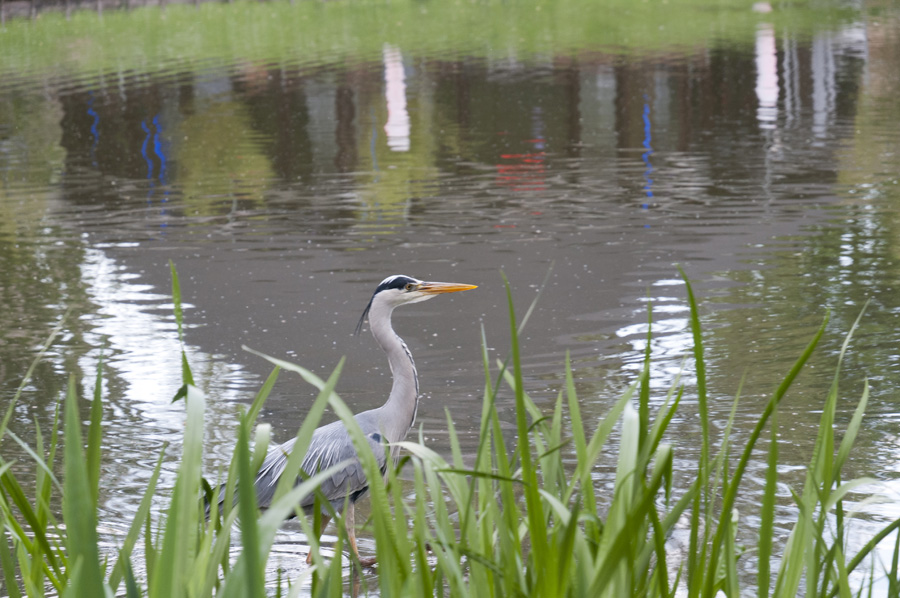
(517, 519)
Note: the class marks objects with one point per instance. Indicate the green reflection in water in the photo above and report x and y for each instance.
(146, 39)
(389, 180)
(37, 282)
(850, 260)
(220, 159)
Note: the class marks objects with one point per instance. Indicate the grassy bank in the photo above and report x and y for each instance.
(518, 519)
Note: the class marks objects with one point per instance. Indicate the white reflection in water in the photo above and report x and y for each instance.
(397, 127)
(671, 345)
(823, 93)
(136, 334)
(766, 76)
(140, 343)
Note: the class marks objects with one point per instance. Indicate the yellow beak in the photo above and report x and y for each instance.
(444, 287)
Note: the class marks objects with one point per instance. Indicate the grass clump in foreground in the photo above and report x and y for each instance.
(515, 522)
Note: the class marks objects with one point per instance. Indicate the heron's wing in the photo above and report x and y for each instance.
(270, 472)
(329, 446)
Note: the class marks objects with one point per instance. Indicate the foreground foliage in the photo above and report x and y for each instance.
(519, 520)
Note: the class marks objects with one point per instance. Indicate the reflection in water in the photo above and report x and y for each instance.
(823, 92)
(95, 135)
(345, 158)
(526, 171)
(134, 333)
(397, 126)
(648, 187)
(766, 76)
(291, 187)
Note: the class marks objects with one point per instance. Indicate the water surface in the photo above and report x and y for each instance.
(286, 172)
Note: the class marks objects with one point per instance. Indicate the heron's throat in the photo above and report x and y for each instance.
(399, 412)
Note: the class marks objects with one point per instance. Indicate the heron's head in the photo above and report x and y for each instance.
(399, 290)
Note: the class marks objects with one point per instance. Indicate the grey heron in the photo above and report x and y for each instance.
(331, 444)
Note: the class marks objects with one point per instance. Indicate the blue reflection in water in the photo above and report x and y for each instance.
(159, 150)
(648, 187)
(95, 130)
(146, 157)
(160, 153)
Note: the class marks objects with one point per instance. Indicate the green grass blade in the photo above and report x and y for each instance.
(577, 426)
(187, 377)
(838, 494)
(731, 493)
(601, 434)
(534, 301)
(95, 435)
(260, 444)
(307, 375)
(176, 300)
(253, 571)
(868, 549)
(455, 448)
(270, 521)
(392, 549)
(852, 429)
(30, 371)
(697, 550)
(38, 539)
(218, 556)
(659, 582)
(6, 558)
(534, 509)
(150, 552)
(262, 395)
(131, 587)
(141, 515)
(644, 394)
(176, 557)
(186, 373)
(41, 464)
(632, 520)
(585, 464)
(313, 417)
(661, 422)
(894, 573)
(767, 513)
(79, 507)
(43, 486)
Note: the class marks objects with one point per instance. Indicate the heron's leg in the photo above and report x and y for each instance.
(318, 532)
(350, 525)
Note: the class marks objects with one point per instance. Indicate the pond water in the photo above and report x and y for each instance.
(286, 169)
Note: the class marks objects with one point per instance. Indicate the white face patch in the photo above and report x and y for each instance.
(392, 291)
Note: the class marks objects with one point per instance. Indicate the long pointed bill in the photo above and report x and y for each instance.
(444, 287)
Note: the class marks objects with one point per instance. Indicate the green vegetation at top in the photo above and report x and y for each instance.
(523, 516)
(153, 38)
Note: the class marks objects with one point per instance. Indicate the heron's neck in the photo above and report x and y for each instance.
(399, 411)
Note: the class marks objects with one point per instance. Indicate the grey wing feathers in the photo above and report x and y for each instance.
(330, 445)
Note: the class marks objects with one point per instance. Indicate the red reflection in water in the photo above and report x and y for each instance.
(525, 171)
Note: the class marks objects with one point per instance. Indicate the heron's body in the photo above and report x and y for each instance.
(331, 444)
(328, 446)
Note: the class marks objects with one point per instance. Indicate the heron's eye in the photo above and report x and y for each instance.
(410, 286)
